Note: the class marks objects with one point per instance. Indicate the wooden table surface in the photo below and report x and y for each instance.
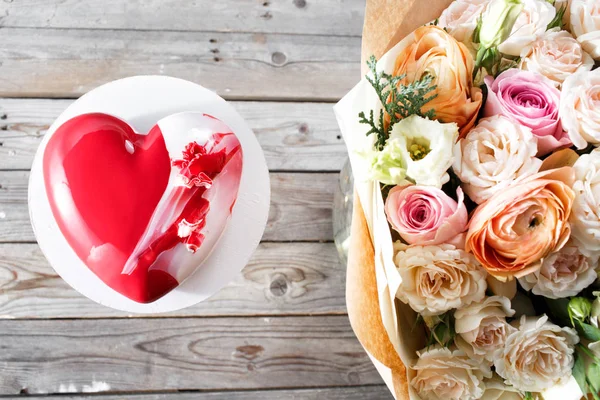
(280, 330)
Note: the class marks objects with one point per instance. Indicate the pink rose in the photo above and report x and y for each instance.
(533, 101)
(425, 215)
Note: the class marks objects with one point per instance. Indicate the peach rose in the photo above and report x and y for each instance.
(514, 230)
(436, 52)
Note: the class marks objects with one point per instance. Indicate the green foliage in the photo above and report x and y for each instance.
(399, 101)
(443, 332)
(579, 372)
(557, 22)
(590, 332)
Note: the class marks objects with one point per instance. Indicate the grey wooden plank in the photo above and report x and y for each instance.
(301, 206)
(371, 392)
(294, 136)
(330, 17)
(281, 278)
(67, 63)
(184, 353)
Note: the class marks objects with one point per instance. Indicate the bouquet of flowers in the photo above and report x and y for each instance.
(474, 143)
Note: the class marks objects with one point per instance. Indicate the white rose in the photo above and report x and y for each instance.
(444, 374)
(563, 273)
(537, 356)
(584, 20)
(482, 327)
(495, 153)
(585, 216)
(460, 18)
(579, 111)
(436, 279)
(496, 389)
(426, 146)
(556, 55)
(531, 23)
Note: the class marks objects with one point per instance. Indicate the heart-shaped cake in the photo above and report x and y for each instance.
(142, 211)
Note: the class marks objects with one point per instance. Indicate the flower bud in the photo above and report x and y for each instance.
(596, 306)
(498, 22)
(579, 309)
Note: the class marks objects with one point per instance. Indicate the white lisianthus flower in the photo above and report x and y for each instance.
(494, 154)
(563, 273)
(531, 23)
(426, 147)
(579, 111)
(585, 216)
(460, 18)
(386, 166)
(556, 55)
(444, 374)
(538, 355)
(436, 279)
(482, 328)
(584, 20)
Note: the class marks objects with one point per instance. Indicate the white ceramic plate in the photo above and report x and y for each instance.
(142, 101)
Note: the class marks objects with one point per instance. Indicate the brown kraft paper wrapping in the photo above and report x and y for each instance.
(386, 23)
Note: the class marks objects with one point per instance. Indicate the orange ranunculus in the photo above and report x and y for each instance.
(436, 52)
(515, 229)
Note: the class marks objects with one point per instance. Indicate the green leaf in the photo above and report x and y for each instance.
(558, 310)
(579, 372)
(398, 100)
(557, 22)
(528, 396)
(593, 377)
(590, 332)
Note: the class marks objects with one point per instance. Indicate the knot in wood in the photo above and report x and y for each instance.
(278, 286)
(278, 58)
(300, 3)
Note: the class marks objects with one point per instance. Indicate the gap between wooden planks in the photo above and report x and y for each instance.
(370, 392)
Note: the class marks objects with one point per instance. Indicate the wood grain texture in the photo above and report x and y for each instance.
(329, 17)
(185, 353)
(371, 392)
(68, 63)
(301, 207)
(294, 136)
(281, 278)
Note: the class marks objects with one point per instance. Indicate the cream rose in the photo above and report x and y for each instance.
(482, 328)
(436, 279)
(444, 374)
(584, 19)
(563, 273)
(538, 355)
(495, 153)
(580, 107)
(426, 147)
(531, 24)
(496, 389)
(585, 217)
(556, 55)
(460, 18)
